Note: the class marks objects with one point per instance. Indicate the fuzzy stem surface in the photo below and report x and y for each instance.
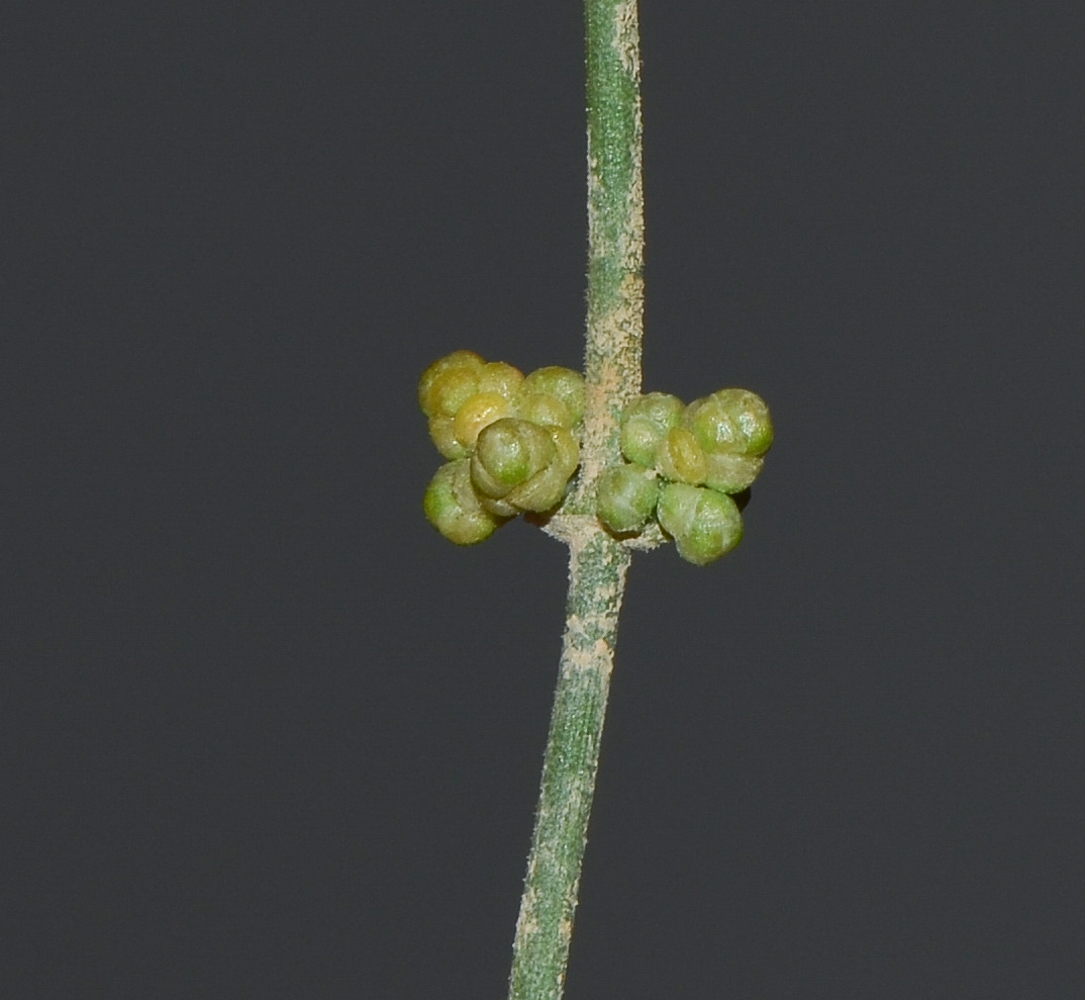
(597, 562)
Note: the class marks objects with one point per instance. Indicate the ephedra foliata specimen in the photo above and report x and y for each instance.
(661, 473)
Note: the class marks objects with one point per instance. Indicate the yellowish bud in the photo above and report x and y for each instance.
(479, 411)
(457, 359)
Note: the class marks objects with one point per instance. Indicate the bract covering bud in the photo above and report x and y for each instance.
(442, 431)
(645, 423)
(542, 408)
(704, 523)
(566, 384)
(500, 377)
(451, 389)
(509, 452)
(453, 507)
(730, 420)
(625, 497)
(731, 473)
(680, 458)
(546, 489)
(477, 412)
(466, 360)
(566, 450)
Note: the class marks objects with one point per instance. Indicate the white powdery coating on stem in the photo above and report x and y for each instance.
(614, 336)
(627, 37)
(627, 44)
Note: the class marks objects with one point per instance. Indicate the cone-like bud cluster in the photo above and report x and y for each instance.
(683, 464)
(512, 441)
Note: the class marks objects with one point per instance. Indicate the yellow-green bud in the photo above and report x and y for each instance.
(542, 492)
(451, 389)
(500, 377)
(546, 489)
(566, 384)
(730, 420)
(442, 431)
(545, 409)
(625, 497)
(645, 423)
(680, 458)
(477, 412)
(731, 473)
(509, 452)
(704, 524)
(566, 450)
(453, 507)
(466, 360)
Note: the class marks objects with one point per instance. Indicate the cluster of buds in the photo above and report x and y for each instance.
(683, 465)
(512, 441)
(513, 444)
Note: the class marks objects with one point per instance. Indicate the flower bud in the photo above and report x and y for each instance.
(542, 492)
(509, 452)
(465, 360)
(442, 432)
(731, 420)
(544, 409)
(566, 450)
(680, 458)
(704, 524)
(566, 384)
(479, 411)
(500, 377)
(453, 507)
(625, 497)
(546, 489)
(645, 423)
(451, 389)
(731, 473)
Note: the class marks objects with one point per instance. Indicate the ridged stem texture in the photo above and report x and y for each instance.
(597, 563)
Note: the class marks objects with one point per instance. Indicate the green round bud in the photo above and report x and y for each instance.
(442, 432)
(476, 413)
(625, 497)
(500, 377)
(468, 360)
(645, 423)
(451, 389)
(704, 524)
(509, 452)
(546, 489)
(544, 409)
(731, 473)
(566, 384)
(453, 507)
(730, 420)
(751, 413)
(680, 458)
(712, 426)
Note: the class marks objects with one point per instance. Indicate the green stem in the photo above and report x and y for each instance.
(597, 563)
(543, 931)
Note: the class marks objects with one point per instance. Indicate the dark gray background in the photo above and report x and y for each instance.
(265, 734)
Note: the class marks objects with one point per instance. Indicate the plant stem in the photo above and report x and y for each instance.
(543, 931)
(597, 562)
